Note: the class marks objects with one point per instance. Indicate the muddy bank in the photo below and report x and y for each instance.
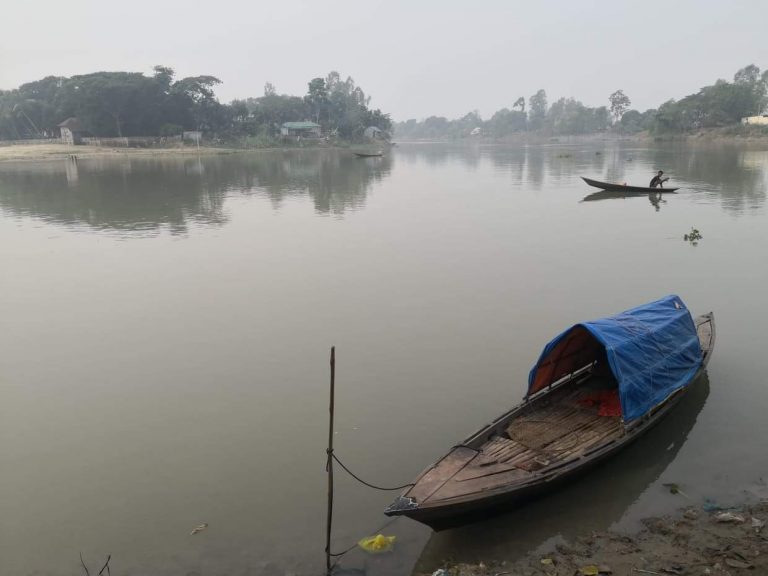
(693, 541)
(36, 152)
(62, 151)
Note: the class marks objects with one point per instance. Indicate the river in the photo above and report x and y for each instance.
(167, 325)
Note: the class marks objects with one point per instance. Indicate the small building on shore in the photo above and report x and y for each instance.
(72, 131)
(194, 136)
(761, 120)
(300, 129)
(375, 133)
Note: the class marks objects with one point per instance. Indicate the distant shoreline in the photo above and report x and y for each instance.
(710, 136)
(42, 152)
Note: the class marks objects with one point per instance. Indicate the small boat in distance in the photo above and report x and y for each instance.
(627, 189)
(595, 389)
(368, 154)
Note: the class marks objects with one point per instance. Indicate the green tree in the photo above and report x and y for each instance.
(538, 106)
(317, 98)
(197, 93)
(505, 122)
(620, 103)
(113, 103)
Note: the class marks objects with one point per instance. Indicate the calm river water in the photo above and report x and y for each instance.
(166, 325)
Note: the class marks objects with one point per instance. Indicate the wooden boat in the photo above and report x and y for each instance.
(627, 189)
(368, 154)
(596, 388)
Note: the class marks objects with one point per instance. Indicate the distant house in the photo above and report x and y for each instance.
(375, 133)
(192, 136)
(300, 129)
(476, 131)
(72, 131)
(761, 120)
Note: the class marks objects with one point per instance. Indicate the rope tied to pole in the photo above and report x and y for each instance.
(333, 456)
(329, 565)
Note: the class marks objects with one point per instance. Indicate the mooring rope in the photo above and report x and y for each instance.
(356, 477)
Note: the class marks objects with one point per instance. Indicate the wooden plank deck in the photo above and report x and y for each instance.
(550, 433)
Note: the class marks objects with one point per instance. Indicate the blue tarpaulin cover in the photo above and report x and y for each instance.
(652, 350)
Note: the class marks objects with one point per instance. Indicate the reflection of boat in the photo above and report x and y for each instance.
(626, 189)
(608, 195)
(593, 502)
(368, 154)
(596, 388)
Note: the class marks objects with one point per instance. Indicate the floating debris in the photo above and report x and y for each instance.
(200, 528)
(693, 236)
(377, 544)
(675, 489)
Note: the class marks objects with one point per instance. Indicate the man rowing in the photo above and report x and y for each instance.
(658, 180)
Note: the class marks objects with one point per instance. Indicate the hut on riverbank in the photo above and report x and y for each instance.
(72, 131)
(300, 129)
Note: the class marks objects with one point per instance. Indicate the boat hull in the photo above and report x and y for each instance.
(609, 187)
(464, 510)
(461, 513)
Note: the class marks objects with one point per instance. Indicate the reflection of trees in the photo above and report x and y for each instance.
(336, 180)
(535, 161)
(145, 194)
(611, 489)
(124, 195)
(734, 176)
(511, 160)
(439, 153)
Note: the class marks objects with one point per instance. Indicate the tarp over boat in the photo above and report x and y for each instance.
(652, 350)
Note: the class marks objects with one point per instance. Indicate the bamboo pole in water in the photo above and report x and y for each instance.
(329, 466)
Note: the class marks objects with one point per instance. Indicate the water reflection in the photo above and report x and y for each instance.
(336, 181)
(655, 198)
(438, 154)
(607, 491)
(735, 177)
(144, 195)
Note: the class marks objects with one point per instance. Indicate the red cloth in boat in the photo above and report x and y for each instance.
(608, 402)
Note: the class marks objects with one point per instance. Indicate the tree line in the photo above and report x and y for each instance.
(722, 104)
(110, 104)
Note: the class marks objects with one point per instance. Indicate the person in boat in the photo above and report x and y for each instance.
(658, 180)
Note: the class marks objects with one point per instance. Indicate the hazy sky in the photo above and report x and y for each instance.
(414, 58)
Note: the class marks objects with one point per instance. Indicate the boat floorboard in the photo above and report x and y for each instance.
(545, 435)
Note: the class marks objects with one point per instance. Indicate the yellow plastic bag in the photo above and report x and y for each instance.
(377, 544)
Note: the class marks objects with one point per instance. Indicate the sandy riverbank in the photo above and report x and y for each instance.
(693, 541)
(62, 151)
